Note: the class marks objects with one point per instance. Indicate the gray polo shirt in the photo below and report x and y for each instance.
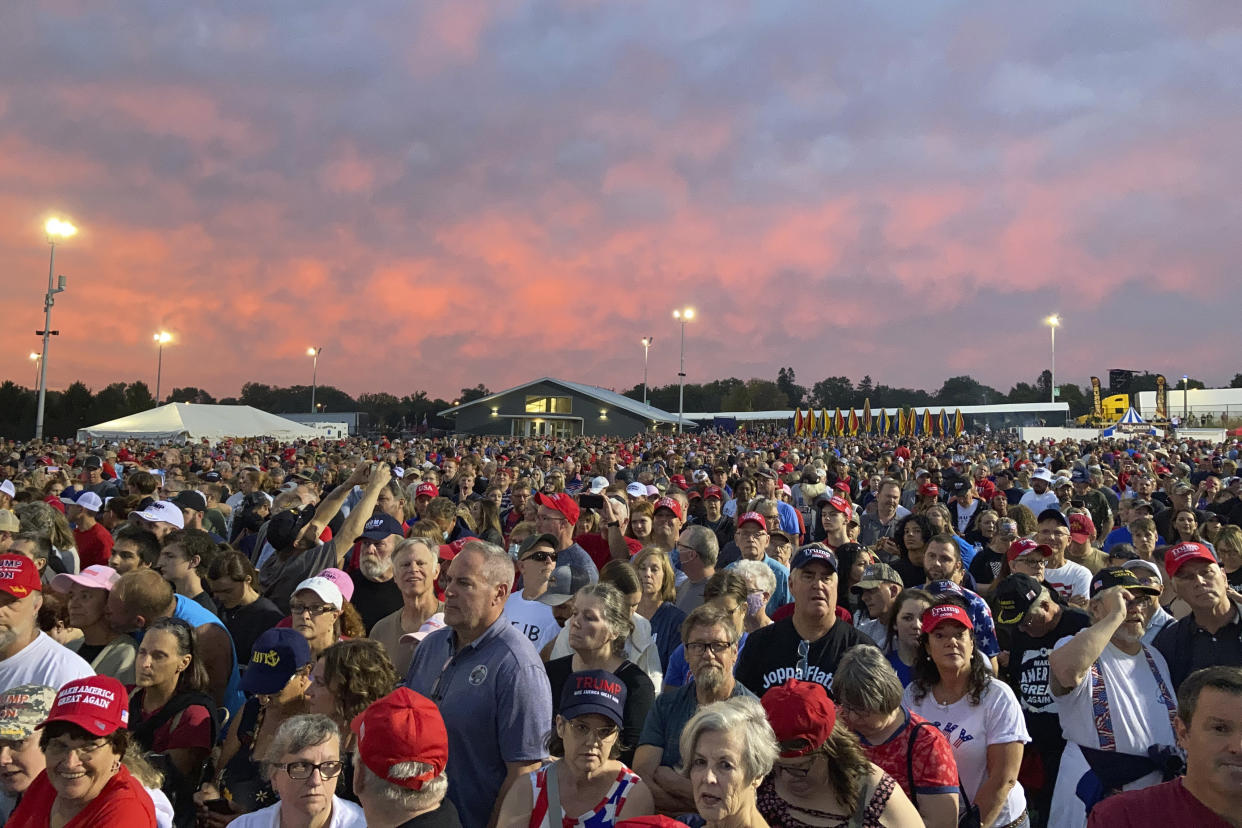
(497, 707)
(669, 715)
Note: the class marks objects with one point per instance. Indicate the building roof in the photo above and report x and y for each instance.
(605, 396)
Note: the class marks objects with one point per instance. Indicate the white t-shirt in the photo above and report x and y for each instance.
(1039, 502)
(1069, 580)
(1139, 720)
(876, 629)
(45, 662)
(995, 720)
(532, 619)
(964, 514)
(345, 814)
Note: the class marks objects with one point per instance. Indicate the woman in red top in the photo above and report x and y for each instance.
(85, 784)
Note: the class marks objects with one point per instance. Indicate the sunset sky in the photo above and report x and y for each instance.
(446, 193)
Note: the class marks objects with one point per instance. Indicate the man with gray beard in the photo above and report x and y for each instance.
(711, 651)
(375, 592)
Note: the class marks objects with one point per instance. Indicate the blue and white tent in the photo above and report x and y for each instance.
(1130, 423)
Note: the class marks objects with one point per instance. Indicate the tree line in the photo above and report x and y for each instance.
(784, 392)
(78, 406)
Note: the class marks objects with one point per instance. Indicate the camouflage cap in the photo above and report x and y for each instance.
(24, 708)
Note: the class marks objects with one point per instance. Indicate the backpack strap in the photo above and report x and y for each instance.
(914, 735)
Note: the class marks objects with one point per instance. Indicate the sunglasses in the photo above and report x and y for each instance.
(541, 557)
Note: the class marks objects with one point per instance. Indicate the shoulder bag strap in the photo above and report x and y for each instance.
(556, 814)
(914, 735)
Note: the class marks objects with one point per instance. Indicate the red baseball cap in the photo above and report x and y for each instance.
(679, 481)
(97, 704)
(929, 490)
(562, 503)
(671, 504)
(1082, 528)
(801, 715)
(753, 517)
(713, 492)
(402, 727)
(19, 576)
(937, 615)
(1022, 546)
(427, 490)
(837, 502)
(1177, 556)
(448, 551)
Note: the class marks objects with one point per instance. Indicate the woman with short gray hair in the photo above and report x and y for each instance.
(303, 763)
(727, 749)
(868, 695)
(760, 583)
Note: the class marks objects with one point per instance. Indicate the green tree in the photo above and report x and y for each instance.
(190, 394)
(788, 385)
(966, 390)
(477, 393)
(832, 392)
(138, 397)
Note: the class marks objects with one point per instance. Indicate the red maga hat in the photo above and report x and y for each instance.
(402, 727)
(801, 715)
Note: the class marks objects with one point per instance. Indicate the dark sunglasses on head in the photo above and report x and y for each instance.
(541, 557)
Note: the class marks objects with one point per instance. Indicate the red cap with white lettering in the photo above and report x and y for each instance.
(97, 704)
(19, 576)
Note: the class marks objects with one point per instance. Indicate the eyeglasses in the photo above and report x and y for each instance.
(795, 771)
(602, 734)
(303, 770)
(541, 557)
(59, 750)
(313, 610)
(700, 647)
(559, 518)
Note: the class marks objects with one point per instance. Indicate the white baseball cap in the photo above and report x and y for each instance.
(163, 511)
(324, 588)
(636, 490)
(89, 501)
(7, 488)
(598, 484)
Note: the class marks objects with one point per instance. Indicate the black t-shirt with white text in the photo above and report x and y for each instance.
(771, 658)
(1031, 677)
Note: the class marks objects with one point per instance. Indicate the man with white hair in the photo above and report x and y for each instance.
(399, 763)
(1114, 698)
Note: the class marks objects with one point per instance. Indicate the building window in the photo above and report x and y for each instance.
(549, 405)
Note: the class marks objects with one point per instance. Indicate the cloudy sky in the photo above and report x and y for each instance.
(441, 193)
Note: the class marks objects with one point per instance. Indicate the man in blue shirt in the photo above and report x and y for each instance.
(711, 650)
(488, 682)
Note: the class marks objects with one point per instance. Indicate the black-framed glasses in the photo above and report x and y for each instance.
(541, 557)
(303, 770)
(700, 647)
(315, 610)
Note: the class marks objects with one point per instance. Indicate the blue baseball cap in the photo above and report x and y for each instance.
(812, 553)
(594, 691)
(380, 526)
(278, 654)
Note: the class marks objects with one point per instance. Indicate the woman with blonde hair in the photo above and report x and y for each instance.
(658, 584)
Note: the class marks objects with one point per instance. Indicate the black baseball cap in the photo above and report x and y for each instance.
(1014, 596)
(190, 499)
(1116, 576)
(1053, 514)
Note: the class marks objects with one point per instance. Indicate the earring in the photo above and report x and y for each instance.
(116, 766)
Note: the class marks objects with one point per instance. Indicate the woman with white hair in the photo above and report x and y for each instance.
(727, 750)
(760, 584)
(302, 764)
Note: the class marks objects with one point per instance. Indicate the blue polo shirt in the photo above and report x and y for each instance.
(497, 707)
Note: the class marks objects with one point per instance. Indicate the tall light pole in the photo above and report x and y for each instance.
(55, 229)
(684, 315)
(1185, 397)
(1053, 322)
(36, 358)
(162, 338)
(314, 352)
(647, 340)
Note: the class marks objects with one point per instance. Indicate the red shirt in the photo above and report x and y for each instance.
(94, 546)
(123, 801)
(1158, 806)
(935, 769)
(596, 545)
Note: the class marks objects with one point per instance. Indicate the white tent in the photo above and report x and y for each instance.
(1130, 423)
(180, 422)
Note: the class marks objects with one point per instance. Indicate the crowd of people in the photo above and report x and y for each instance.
(708, 629)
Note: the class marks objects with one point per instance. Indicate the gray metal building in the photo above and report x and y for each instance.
(549, 407)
